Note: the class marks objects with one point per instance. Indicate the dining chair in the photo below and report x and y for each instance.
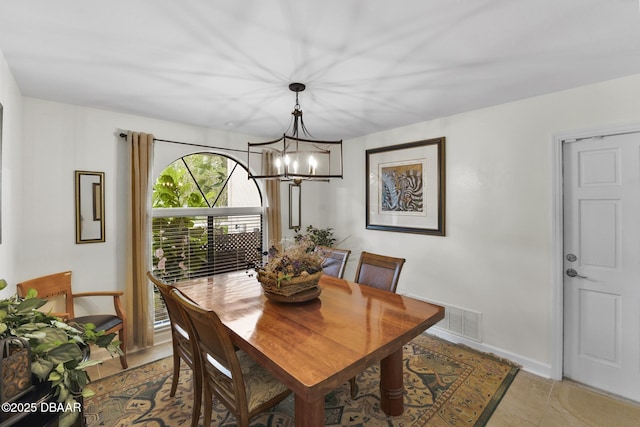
(334, 260)
(243, 386)
(59, 284)
(181, 342)
(378, 271)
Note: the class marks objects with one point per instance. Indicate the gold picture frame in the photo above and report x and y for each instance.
(90, 224)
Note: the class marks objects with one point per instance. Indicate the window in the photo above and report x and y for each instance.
(207, 219)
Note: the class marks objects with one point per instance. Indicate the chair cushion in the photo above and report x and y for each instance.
(261, 386)
(103, 322)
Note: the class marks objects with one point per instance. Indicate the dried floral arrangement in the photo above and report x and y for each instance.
(289, 259)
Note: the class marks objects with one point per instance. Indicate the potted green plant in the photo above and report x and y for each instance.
(319, 236)
(58, 349)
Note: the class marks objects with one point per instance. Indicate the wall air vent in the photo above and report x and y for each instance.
(458, 321)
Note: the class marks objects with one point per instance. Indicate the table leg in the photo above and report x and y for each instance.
(309, 414)
(392, 384)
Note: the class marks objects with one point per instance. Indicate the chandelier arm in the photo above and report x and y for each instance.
(318, 141)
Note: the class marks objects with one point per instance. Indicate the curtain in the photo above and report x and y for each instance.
(272, 187)
(138, 291)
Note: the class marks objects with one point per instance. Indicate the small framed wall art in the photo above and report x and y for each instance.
(405, 187)
(295, 207)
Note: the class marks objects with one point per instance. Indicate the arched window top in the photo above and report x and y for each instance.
(205, 180)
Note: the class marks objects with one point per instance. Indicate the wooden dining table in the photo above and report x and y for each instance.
(315, 346)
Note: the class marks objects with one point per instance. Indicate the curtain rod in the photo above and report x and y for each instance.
(124, 135)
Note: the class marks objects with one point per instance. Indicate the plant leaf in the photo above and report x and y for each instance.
(53, 335)
(41, 368)
(88, 393)
(29, 305)
(105, 340)
(64, 353)
(87, 363)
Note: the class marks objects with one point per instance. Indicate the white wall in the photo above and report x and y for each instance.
(59, 139)
(496, 256)
(12, 166)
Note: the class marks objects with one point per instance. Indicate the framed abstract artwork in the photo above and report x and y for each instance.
(406, 187)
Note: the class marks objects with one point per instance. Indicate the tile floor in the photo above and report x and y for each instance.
(535, 401)
(530, 401)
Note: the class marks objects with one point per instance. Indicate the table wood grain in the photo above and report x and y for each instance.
(315, 346)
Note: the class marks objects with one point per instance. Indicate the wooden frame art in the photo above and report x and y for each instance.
(405, 187)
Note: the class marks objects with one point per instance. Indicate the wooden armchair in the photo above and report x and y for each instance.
(378, 271)
(181, 341)
(334, 261)
(59, 284)
(243, 386)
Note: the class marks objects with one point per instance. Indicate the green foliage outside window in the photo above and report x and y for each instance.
(180, 244)
(194, 181)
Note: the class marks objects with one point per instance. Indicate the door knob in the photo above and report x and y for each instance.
(573, 273)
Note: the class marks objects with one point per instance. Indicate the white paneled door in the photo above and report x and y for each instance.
(602, 263)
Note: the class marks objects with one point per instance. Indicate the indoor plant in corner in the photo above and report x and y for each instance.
(58, 349)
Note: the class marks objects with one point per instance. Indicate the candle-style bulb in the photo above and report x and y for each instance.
(313, 163)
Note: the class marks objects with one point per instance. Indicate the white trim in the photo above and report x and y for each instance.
(223, 211)
(557, 250)
(529, 365)
(557, 235)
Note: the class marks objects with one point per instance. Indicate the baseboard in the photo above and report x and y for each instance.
(160, 336)
(475, 341)
(98, 353)
(529, 365)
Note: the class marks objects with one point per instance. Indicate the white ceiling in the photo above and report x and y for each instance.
(369, 65)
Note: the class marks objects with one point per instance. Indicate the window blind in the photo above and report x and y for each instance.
(190, 246)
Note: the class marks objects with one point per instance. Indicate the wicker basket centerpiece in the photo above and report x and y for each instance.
(293, 267)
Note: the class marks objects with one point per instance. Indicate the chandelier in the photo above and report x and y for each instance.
(298, 156)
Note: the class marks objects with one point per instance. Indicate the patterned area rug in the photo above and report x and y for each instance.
(445, 385)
